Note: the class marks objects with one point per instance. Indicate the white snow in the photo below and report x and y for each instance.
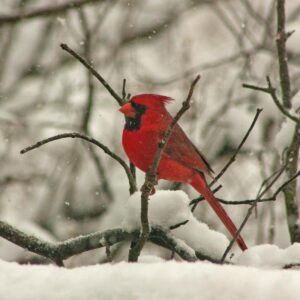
(167, 208)
(284, 136)
(159, 280)
(270, 256)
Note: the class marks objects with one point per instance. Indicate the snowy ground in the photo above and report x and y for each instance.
(257, 274)
(157, 280)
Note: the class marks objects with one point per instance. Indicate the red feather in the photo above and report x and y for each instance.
(147, 120)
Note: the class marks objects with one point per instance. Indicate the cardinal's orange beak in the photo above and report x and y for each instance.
(127, 110)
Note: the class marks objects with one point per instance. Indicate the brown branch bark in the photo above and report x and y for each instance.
(281, 39)
(57, 252)
(290, 191)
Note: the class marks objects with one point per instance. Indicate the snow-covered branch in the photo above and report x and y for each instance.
(57, 252)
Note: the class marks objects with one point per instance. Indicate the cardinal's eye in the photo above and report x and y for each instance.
(139, 108)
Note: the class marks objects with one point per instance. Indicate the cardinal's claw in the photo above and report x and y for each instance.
(147, 187)
(153, 191)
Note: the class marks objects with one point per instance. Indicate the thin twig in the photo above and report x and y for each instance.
(126, 98)
(232, 159)
(256, 88)
(124, 90)
(195, 201)
(133, 170)
(286, 184)
(249, 212)
(94, 72)
(272, 92)
(178, 225)
(245, 202)
(150, 179)
(131, 180)
(277, 102)
(272, 198)
(270, 178)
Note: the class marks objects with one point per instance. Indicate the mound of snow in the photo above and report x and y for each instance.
(270, 256)
(167, 208)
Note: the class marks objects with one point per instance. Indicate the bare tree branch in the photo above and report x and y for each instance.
(232, 159)
(250, 210)
(57, 252)
(251, 201)
(281, 39)
(195, 201)
(94, 72)
(272, 92)
(131, 180)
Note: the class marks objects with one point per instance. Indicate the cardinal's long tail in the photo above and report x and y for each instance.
(199, 183)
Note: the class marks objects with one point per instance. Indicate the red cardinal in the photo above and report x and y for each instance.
(146, 121)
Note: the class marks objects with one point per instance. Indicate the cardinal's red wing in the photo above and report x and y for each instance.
(181, 149)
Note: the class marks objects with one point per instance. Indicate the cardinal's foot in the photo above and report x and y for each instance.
(152, 191)
(148, 188)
